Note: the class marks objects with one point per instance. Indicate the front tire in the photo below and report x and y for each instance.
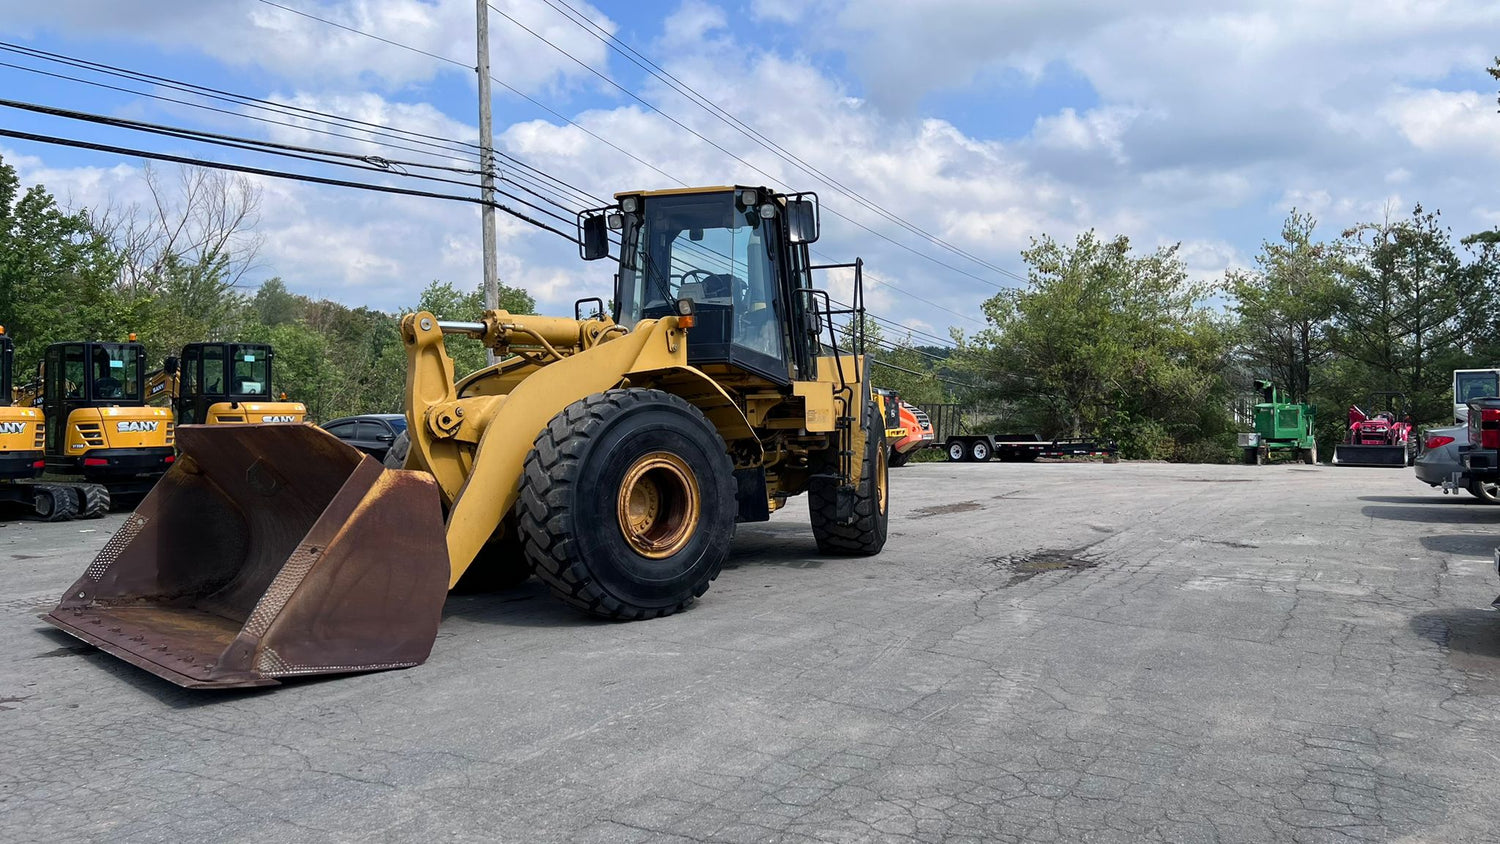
(956, 452)
(864, 535)
(628, 504)
(979, 451)
(395, 457)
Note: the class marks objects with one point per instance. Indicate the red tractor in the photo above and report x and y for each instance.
(1378, 437)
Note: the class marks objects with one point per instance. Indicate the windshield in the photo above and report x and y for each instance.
(113, 369)
(697, 246)
(1475, 385)
(251, 372)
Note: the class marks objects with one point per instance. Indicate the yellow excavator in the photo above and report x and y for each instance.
(220, 384)
(26, 450)
(610, 454)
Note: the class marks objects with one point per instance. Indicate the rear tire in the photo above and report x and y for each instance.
(1488, 493)
(866, 534)
(628, 504)
(956, 452)
(979, 451)
(54, 504)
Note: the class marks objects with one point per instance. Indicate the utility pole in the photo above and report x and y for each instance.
(486, 162)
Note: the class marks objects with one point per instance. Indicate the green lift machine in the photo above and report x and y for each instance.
(1281, 428)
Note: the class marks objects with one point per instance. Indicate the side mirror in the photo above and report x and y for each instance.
(595, 243)
(802, 221)
(812, 324)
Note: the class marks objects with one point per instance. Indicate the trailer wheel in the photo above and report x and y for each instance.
(979, 451)
(866, 534)
(54, 504)
(956, 452)
(628, 504)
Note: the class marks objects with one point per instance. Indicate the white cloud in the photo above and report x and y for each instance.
(245, 33)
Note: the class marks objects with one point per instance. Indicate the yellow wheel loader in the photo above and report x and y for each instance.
(23, 456)
(609, 454)
(221, 383)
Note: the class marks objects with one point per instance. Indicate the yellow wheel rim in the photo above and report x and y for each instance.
(882, 475)
(658, 505)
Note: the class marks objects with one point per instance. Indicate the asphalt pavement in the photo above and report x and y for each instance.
(1046, 652)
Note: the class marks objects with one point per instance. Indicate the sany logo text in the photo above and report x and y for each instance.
(136, 427)
(12, 427)
(278, 419)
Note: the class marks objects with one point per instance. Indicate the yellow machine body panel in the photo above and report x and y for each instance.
(21, 430)
(94, 428)
(224, 413)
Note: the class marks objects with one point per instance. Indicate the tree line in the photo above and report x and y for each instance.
(1111, 341)
(1104, 339)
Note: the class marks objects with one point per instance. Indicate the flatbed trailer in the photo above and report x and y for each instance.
(1022, 448)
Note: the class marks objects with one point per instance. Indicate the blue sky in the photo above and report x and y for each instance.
(981, 123)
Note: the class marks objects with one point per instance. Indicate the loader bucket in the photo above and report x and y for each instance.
(268, 551)
(1384, 456)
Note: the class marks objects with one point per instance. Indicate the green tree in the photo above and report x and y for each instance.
(57, 274)
(1285, 307)
(1413, 308)
(1105, 341)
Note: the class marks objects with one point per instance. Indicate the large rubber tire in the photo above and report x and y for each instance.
(570, 510)
(979, 451)
(54, 503)
(898, 459)
(866, 534)
(1488, 493)
(957, 452)
(395, 457)
(92, 500)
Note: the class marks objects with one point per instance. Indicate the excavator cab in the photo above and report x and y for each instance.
(221, 383)
(98, 424)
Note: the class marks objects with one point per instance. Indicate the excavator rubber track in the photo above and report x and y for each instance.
(266, 552)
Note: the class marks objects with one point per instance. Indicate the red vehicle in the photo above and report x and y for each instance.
(1378, 438)
(919, 433)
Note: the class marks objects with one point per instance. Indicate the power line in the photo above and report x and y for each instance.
(451, 148)
(276, 174)
(252, 145)
(541, 180)
(633, 157)
(728, 119)
(458, 63)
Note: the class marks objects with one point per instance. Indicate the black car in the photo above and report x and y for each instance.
(371, 433)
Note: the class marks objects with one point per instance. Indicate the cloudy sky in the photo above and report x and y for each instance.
(942, 136)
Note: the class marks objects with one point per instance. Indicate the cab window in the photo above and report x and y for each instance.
(251, 372)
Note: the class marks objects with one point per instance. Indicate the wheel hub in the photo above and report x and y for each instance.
(658, 505)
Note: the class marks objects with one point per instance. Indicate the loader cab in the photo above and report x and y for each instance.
(84, 375)
(215, 373)
(736, 257)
